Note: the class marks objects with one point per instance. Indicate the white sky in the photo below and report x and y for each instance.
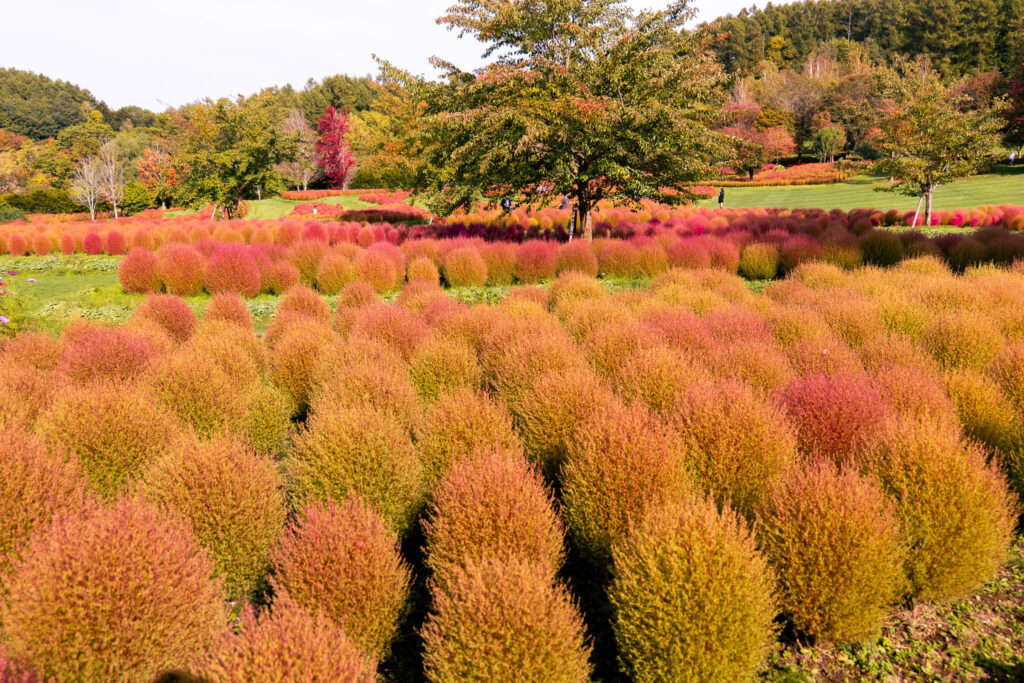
(146, 53)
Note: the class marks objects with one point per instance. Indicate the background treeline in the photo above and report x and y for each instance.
(959, 36)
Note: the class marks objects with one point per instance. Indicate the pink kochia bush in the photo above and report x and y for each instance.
(343, 561)
(114, 593)
(231, 268)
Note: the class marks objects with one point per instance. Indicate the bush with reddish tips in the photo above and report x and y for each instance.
(963, 339)
(737, 442)
(91, 245)
(987, 415)
(171, 313)
(759, 261)
(689, 253)
(955, 508)
(577, 257)
(620, 463)
(74, 601)
(1008, 370)
(835, 544)
(615, 258)
(17, 245)
(797, 250)
(199, 393)
(67, 244)
(304, 301)
(492, 505)
(281, 276)
(393, 325)
(34, 349)
(269, 420)
(881, 248)
(41, 245)
(692, 599)
(423, 269)
(516, 352)
(500, 258)
(286, 643)
(343, 452)
(229, 308)
(759, 364)
(836, 417)
(536, 261)
(26, 392)
(232, 268)
(916, 395)
(377, 270)
(459, 425)
(115, 243)
(35, 486)
(656, 377)
(306, 256)
(334, 272)
(442, 365)
(182, 269)
(137, 272)
(113, 430)
(295, 358)
(237, 351)
(465, 267)
(650, 262)
(93, 352)
(572, 288)
(504, 622)
(342, 561)
(369, 384)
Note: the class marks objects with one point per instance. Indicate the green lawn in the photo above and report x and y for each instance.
(275, 207)
(1005, 186)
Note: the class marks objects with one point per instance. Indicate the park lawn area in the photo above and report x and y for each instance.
(275, 207)
(1005, 186)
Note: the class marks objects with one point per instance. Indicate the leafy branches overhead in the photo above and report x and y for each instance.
(587, 99)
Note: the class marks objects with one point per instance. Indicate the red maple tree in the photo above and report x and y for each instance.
(333, 149)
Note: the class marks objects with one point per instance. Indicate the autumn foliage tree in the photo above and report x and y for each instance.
(754, 145)
(333, 149)
(158, 175)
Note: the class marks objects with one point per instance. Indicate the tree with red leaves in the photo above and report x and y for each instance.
(333, 149)
(754, 146)
(158, 175)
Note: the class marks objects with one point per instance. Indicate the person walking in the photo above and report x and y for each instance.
(1013, 158)
(565, 204)
(721, 198)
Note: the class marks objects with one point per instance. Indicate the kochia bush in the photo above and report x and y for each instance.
(464, 267)
(171, 313)
(137, 272)
(181, 268)
(232, 268)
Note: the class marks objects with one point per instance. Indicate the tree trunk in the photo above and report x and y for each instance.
(588, 225)
(928, 206)
(115, 209)
(751, 175)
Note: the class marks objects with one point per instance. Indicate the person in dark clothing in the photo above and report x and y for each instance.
(506, 204)
(565, 204)
(721, 198)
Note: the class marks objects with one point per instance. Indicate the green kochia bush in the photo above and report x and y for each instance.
(692, 598)
(499, 621)
(759, 261)
(835, 544)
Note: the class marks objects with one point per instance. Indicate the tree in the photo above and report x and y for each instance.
(929, 140)
(587, 99)
(111, 175)
(158, 175)
(87, 184)
(227, 149)
(333, 149)
(1013, 116)
(302, 169)
(828, 142)
(754, 146)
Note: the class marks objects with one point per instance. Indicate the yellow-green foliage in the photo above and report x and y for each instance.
(202, 396)
(441, 365)
(269, 420)
(759, 261)
(691, 596)
(963, 340)
(834, 542)
(232, 500)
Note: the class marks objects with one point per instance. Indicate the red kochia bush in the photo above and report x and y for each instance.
(834, 541)
(95, 352)
(836, 416)
(492, 505)
(232, 268)
(535, 262)
(394, 325)
(171, 313)
(34, 486)
(577, 257)
(181, 268)
(92, 244)
(230, 308)
(501, 262)
(26, 391)
(115, 243)
(343, 561)
(302, 300)
(137, 272)
(287, 643)
(464, 267)
(499, 621)
(111, 594)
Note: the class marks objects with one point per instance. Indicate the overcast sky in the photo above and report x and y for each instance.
(150, 54)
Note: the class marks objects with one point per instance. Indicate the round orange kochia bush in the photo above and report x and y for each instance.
(365, 383)
(397, 326)
(464, 267)
(836, 416)
(171, 313)
(423, 269)
(286, 643)
(181, 268)
(656, 377)
(577, 257)
(691, 596)
(280, 277)
(269, 423)
(343, 561)
(496, 621)
(377, 270)
(94, 352)
(621, 462)
(229, 308)
(515, 352)
(34, 487)
(201, 395)
(306, 256)
(571, 289)
(26, 392)
(459, 425)
(964, 339)
(492, 505)
(759, 261)
(956, 510)
(231, 499)
(442, 365)
(500, 258)
(233, 268)
(737, 442)
(113, 429)
(536, 261)
(137, 272)
(303, 300)
(118, 593)
(835, 544)
(343, 452)
(334, 272)
(295, 358)
(236, 350)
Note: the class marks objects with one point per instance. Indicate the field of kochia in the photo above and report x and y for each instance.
(662, 482)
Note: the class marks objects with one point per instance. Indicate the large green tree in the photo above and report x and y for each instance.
(228, 150)
(930, 138)
(585, 98)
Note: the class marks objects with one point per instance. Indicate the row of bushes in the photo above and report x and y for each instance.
(713, 460)
(386, 213)
(313, 195)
